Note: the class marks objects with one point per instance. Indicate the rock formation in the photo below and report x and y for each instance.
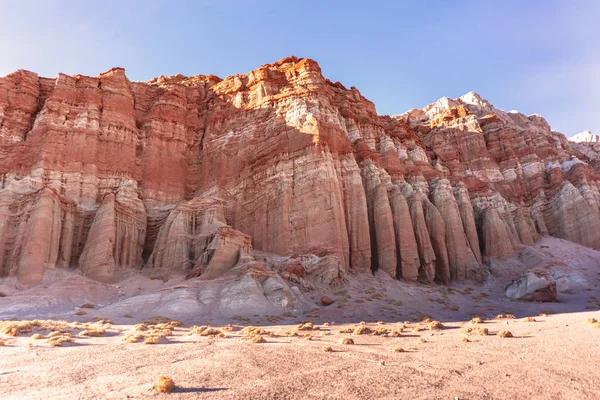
(193, 174)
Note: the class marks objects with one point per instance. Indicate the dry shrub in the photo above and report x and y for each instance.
(422, 340)
(505, 334)
(417, 329)
(477, 331)
(140, 327)
(465, 340)
(36, 336)
(398, 350)
(529, 319)
(253, 331)
(258, 339)
(154, 339)
(166, 321)
(27, 327)
(308, 337)
(362, 330)
(477, 320)
(591, 320)
(133, 337)
(347, 330)
(381, 331)
(347, 341)
(504, 316)
(327, 349)
(92, 332)
(164, 384)
(58, 341)
(88, 305)
(81, 312)
(205, 331)
(102, 320)
(127, 316)
(396, 333)
(435, 325)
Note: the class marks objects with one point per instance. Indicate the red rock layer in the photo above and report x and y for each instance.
(103, 174)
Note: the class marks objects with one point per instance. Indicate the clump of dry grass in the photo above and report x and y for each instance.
(165, 321)
(435, 325)
(347, 330)
(254, 339)
(153, 339)
(308, 337)
(140, 327)
(27, 327)
(327, 349)
(37, 336)
(504, 316)
(81, 312)
(477, 331)
(253, 331)
(529, 319)
(591, 320)
(465, 340)
(58, 341)
(127, 316)
(422, 340)
(133, 337)
(362, 330)
(164, 384)
(477, 320)
(347, 340)
(206, 331)
(92, 332)
(505, 334)
(398, 350)
(379, 331)
(88, 305)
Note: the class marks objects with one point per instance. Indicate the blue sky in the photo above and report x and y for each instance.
(533, 56)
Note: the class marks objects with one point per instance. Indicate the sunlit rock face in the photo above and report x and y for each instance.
(193, 174)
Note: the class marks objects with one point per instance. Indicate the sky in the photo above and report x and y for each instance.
(533, 56)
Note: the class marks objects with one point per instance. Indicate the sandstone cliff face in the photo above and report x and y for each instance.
(195, 173)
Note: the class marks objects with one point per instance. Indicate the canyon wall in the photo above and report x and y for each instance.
(195, 173)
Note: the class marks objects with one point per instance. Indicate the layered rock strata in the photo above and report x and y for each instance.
(193, 174)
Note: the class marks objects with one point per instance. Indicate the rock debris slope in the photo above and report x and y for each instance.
(193, 174)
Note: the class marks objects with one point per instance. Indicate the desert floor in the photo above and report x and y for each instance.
(557, 356)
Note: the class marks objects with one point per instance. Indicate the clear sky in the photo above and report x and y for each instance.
(533, 56)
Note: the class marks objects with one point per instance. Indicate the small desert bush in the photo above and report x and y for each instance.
(591, 320)
(92, 332)
(398, 350)
(58, 341)
(505, 334)
(254, 339)
(206, 331)
(465, 340)
(477, 320)
(327, 349)
(88, 305)
(81, 312)
(253, 331)
(435, 325)
(529, 319)
(422, 340)
(127, 316)
(154, 339)
(166, 321)
(347, 341)
(36, 336)
(477, 331)
(164, 384)
(362, 330)
(379, 331)
(505, 316)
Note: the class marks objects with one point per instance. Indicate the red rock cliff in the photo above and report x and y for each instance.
(192, 173)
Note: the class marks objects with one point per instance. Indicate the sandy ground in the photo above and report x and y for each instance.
(555, 357)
